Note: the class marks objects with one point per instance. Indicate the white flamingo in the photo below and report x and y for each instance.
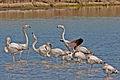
(73, 45)
(79, 56)
(68, 56)
(43, 50)
(56, 52)
(91, 59)
(108, 69)
(15, 48)
(69, 44)
(83, 49)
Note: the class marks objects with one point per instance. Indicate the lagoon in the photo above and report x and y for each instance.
(99, 27)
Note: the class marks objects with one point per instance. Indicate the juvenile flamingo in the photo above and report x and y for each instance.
(15, 48)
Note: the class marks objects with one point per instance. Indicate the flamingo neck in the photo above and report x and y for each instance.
(33, 45)
(63, 34)
(49, 50)
(50, 47)
(26, 37)
(63, 38)
(6, 49)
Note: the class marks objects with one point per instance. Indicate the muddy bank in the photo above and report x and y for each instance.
(62, 13)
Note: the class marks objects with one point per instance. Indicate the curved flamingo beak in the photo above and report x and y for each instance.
(29, 26)
(61, 40)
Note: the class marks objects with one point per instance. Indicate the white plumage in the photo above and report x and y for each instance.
(91, 59)
(15, 48)
(57, 52)
(83, 49)
(43, 50)
(67, 56)
(79, 56)
(108, 69)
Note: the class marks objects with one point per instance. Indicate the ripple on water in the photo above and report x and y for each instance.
(101, 35)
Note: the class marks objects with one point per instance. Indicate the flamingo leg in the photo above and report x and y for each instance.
(56, 60)
(28, 56)
(79, 64)
(20, 56)
(13, 59)
(91, 66)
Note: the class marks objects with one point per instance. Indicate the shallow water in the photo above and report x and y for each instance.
(101, 35)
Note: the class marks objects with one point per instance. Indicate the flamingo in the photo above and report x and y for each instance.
(15, 48)
(108, 69)
(91, 59)
(43, 50)
(75, 44)
(79, 56)
(68, 56)
(57, 52)
(69, 44)
(83, 50)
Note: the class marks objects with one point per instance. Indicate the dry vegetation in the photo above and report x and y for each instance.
(47, 1)
(55, 3)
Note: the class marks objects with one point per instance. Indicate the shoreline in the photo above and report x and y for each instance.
(54, 13)
(55, 5)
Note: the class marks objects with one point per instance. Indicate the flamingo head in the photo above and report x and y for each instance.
(8, 40)
(62, 40)
(49, 44)
(48, 49)
(60, 26)
(68, 53)
(25, 26)
(116, 72)
(91, 53)
(34, 36)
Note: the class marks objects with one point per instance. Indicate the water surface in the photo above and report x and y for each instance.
(101, 35)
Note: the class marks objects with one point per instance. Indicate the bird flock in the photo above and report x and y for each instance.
(74, 51)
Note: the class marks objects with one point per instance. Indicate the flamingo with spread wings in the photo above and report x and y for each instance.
(75, 44)
(69, 44)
